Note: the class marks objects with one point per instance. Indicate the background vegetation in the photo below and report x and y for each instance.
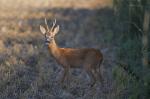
(133, 75)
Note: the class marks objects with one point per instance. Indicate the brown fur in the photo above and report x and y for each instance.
(87, 58)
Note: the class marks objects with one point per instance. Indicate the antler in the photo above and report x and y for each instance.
(53, 25)
(46, 24)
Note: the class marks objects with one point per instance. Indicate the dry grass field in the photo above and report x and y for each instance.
(27, 71)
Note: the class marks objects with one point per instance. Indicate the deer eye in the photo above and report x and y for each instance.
(46, 36)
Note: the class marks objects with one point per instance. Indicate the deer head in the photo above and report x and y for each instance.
(49, 34)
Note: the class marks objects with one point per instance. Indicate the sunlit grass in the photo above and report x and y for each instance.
(24, 4)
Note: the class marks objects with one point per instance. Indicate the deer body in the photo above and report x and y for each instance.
(75, 58)
(87, 58)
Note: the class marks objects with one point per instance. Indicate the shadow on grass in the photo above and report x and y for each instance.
(79, 26)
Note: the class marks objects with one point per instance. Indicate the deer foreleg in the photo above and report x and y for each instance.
(65, 74)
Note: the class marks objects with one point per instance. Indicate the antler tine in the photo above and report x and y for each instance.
(46, 24)
(53, 24)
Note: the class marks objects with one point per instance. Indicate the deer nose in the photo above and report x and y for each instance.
(46, 42)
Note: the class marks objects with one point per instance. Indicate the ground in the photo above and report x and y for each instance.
(27, 71)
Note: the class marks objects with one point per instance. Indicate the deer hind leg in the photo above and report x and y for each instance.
(99, 76)
(92, 77)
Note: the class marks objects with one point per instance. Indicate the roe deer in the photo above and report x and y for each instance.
(89, 59)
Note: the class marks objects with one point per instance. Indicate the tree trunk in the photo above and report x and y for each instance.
(145, 37)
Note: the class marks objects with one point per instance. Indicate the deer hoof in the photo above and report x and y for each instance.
(91, 85)
(63, 86)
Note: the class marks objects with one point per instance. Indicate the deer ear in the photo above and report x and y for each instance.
(43, 30)
(56, 29)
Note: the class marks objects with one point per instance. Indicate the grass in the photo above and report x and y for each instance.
(26, 68)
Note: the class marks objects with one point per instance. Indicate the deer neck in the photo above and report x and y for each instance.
(54, 49)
